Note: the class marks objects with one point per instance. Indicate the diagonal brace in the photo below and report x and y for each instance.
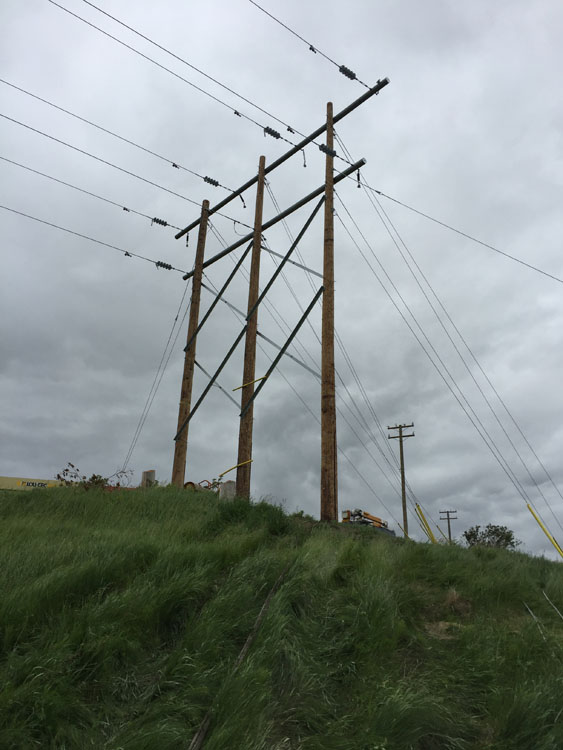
(279, 269)
(284, 214)
(217, 385)
(211, 383)
(282, 351)
(219, 294)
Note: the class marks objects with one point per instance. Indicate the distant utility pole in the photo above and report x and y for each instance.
(448, 515)
(402, 437)
(181, 445)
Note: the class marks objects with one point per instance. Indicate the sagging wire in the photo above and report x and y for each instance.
(153, 220)
(126, 253)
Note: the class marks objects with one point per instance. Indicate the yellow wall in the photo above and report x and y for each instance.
(20, 483)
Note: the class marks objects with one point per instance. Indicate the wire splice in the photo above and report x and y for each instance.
(128, 254)
(270, 131)
(176, 166)
(347, 72)
(326, 150)
(211, 181)
(312, 49)
(126, 209)
(161, 264)
(161, 222)
(238, 114)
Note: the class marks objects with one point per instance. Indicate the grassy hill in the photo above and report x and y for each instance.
(122, 616)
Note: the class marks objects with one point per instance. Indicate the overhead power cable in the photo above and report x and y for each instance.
(278, 318)
(381, 213)
(312, 48)
(114, 166)
(153, 219)
(160, 370)
(190, 65)
(267, 130)
(466, 365)
(360, 417)
(127, 253)
(175, 164)
(237, 314)
(465, 234)
(441, 368)
(168, 70)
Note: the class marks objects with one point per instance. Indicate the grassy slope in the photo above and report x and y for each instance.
(122, 615)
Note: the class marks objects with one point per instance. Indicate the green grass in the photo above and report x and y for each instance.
(122, 615)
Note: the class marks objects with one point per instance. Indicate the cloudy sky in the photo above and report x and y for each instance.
(468, 131)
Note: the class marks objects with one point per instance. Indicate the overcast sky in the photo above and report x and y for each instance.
(468, 131)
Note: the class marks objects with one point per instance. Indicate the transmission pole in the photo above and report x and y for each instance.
(329, 467)
(402, 437)
(448, 515)
(249, 369)
(181, 444)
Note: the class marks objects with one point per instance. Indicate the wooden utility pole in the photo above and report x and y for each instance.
(449, 515)
(181, 444)
(402, 437)
(329, 466)
(249, 369)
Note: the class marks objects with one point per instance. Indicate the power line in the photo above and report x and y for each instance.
(127, 253)
(312, 48)
(152, 219)
(373, 200)
(114, 166)
(175, 164)
(157, 378)
(360, 416)
(480, 389)
(308, 408)
(265, 129)
(277, 317)
(465, 234)
(489, 442)
(168, 70)
(193, 67)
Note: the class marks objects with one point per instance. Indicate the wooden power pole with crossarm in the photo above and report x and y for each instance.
(449, 516)
(401, 436)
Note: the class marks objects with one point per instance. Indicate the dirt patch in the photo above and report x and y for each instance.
(457, 604)
(445, 631)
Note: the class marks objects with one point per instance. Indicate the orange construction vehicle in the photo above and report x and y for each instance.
(363, 517)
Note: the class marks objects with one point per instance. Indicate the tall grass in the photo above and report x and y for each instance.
(122, 616)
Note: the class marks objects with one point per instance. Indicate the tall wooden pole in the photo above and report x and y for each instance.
(181, 445)
(249, 369)
(329, 476)
(403, 484)
(402, 437)
(450, 517)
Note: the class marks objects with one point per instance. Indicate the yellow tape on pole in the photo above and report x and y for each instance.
(243, 386)
(250, 460)
(544, 529)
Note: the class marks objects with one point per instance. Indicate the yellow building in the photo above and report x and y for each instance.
(21, 483)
